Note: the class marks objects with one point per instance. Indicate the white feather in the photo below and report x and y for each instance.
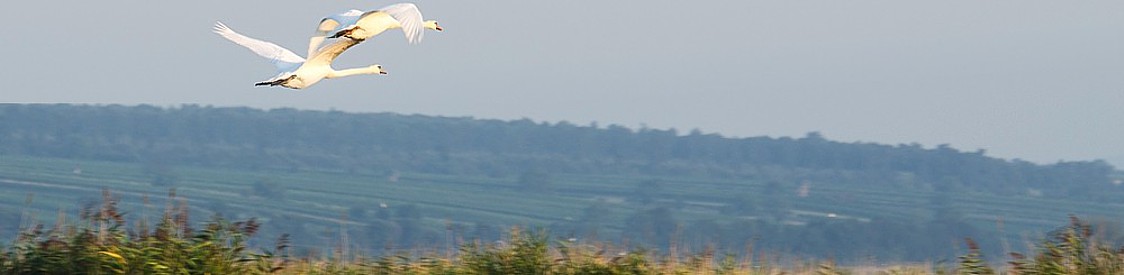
(296, 72)
(329, 25)
(279, 56)
(409, 17)
(372, 23)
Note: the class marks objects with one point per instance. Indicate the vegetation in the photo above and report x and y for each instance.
(391, 182)
(103, 242)
(381, 215)
(1073, 249)
(293, 139)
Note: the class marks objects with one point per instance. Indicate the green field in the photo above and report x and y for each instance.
(321, 199)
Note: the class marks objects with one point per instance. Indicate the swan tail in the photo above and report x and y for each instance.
(346, 33)
(275, 82)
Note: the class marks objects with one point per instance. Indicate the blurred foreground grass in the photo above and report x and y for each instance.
(101, 241)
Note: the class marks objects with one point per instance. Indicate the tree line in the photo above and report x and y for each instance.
(300, 139)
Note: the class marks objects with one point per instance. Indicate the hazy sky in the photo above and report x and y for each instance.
(1036, 80)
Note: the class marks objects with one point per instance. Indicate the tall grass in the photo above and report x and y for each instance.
(103, 242)
(1071, 250)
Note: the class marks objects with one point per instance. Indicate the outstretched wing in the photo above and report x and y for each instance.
(342, 19)
(409, 17)
(329, 52)
(329, 25)
(280, 57)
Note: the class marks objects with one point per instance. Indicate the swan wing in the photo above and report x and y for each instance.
(409, 17)
(281, 57)
(331, 24)
(328, 53)
(314, 43)
(347, 18)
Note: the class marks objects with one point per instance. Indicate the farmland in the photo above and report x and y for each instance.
(321, 201)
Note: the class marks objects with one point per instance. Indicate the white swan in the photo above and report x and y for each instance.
(358, 25)
(296, 72)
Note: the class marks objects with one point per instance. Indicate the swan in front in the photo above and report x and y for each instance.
(359, 25)
(296, 72)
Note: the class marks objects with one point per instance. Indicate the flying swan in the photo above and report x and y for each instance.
(359, 25)
(295, 71)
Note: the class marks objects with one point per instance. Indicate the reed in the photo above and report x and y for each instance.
(101, 242)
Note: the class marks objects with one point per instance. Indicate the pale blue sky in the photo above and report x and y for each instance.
(1037, 80)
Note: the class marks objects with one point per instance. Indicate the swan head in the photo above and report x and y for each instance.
(432, 24)
(377, 69)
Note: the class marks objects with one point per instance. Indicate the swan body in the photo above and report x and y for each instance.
(296, 72)
(358, 25)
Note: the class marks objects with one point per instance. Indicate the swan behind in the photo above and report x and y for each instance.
(359, 25)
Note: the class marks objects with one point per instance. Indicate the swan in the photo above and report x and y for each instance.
(295, 71)
(359, 25)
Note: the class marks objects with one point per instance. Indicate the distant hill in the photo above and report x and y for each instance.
(296, 139)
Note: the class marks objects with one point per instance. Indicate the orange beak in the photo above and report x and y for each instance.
(439, 28)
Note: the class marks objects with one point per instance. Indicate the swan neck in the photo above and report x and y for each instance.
(351, 72)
